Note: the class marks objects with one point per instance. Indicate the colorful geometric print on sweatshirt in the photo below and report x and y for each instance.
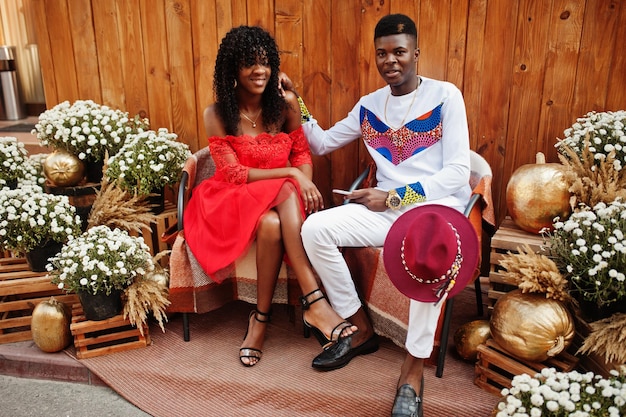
(399, 145)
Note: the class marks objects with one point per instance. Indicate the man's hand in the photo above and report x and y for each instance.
(285, 83)
(371, 198)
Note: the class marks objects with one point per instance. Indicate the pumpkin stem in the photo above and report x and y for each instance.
(559, 345)
(540, 158)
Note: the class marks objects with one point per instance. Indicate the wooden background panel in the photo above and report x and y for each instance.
(566, 22)
(615, 96)
(238, 14)
(592, 74)
(39, 19)
(457, 41)
(84, 44)
(157, 66)
(204, 17)
(288, 28)
(105, 20)
(472, 75)
(528, 72)
(61, 51)
(261, 13)
(527, 68)
(433, 29)
(495, 73)
(132, 57)
(183, 89)
(315, 84)
(344, 89)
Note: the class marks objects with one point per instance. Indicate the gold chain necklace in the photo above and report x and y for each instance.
(250, 120)
(419, 82)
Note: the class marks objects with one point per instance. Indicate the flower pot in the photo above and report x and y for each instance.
(93, 171)
(101, 306)
(10, 184)
(591, 311)
(37, 258)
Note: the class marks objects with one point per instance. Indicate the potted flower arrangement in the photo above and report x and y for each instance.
(555, 394)
(603, 130)
(86, 129)
(148, 162)
(33, 222)
(33, 167)
(12, 158)
(590, 249)
(98, 265)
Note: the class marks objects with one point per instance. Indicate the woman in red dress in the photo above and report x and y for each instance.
(262, 187)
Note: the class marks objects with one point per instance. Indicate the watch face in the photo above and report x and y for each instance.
(395, 201)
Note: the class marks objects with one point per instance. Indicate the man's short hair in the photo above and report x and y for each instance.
(395, 24)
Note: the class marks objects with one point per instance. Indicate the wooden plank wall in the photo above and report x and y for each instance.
(527, 68)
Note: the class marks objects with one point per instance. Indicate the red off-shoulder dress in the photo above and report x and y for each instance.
(223, 213)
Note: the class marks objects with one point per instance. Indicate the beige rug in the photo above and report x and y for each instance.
(203, 377)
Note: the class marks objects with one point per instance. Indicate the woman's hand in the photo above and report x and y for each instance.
(313, 200)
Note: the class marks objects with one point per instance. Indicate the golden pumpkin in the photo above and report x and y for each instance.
(469, 336)
(536, 194)
(530, 326)
(63, 169)
(50, 325)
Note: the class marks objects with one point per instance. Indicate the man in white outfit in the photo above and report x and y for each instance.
(415, 129)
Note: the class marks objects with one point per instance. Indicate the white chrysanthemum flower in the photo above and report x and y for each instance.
(110, 258)
(29, 218)
(13, 157)
(591, 251)
(148, 161)
(87, 132)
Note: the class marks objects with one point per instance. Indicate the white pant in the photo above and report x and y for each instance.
(354, 225)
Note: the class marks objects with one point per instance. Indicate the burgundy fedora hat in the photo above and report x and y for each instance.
(431, 253)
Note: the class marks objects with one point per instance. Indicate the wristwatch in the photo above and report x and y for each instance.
(393, 201)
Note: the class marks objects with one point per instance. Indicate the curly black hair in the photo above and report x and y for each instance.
(244, 46)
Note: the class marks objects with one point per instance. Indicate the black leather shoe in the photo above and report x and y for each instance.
(408, 403)
(339, 354)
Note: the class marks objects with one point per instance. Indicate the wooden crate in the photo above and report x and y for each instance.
(102, 337)
(20, 291)
(508, 238)
(495, 367)
(152, 234)
(590, 361)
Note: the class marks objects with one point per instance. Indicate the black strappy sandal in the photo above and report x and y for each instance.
(252, 353)
(307, 301)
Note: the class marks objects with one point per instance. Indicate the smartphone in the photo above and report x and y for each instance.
(343, 192)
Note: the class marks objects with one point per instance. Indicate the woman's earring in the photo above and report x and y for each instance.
(235, 86)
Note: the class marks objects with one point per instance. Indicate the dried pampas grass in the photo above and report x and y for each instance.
(148, 294)
(591, 180)
(116, 208)
(607, 339)
(535, 273)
